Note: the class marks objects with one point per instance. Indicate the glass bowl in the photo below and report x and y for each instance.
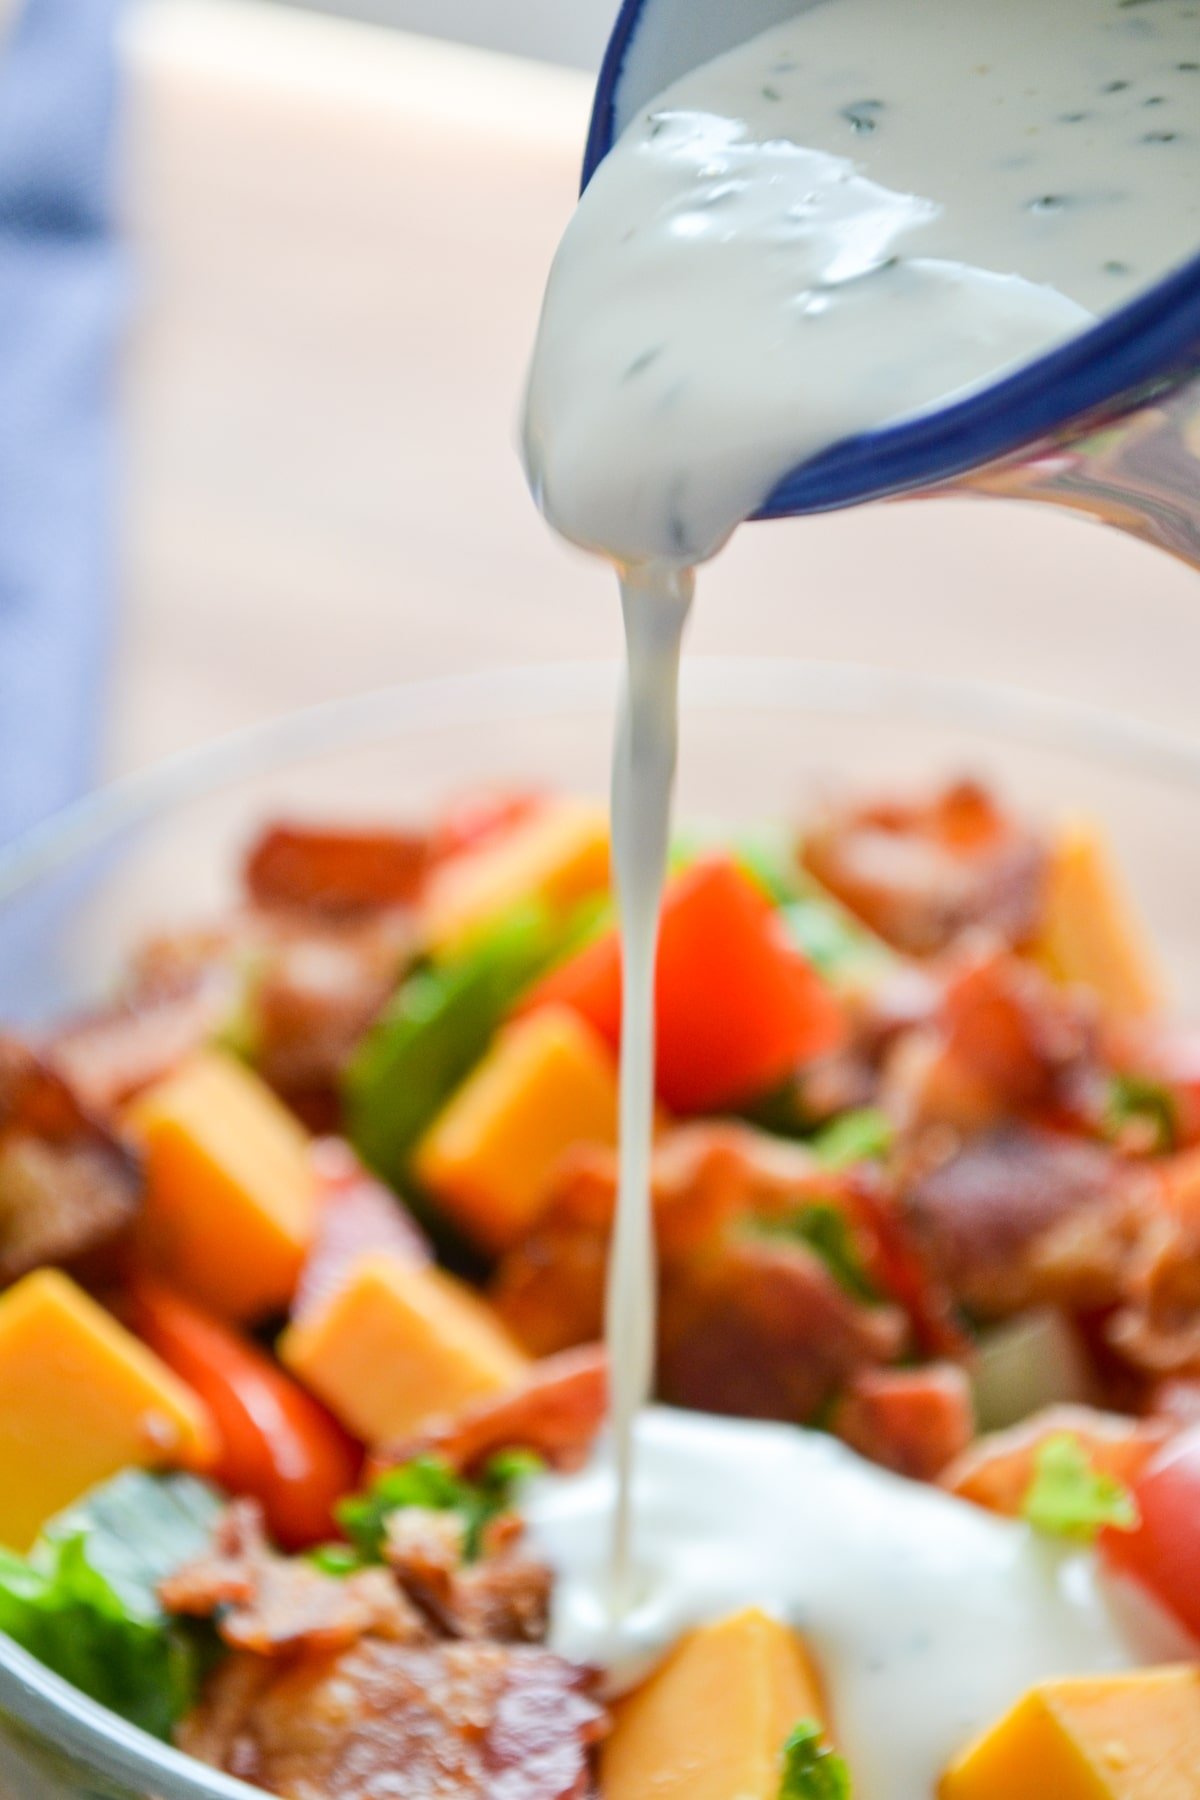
(761, 738)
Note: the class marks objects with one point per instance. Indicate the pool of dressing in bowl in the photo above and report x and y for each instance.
(849, 219)
(927, 1617)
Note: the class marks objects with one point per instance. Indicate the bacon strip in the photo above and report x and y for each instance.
(556, 1414)
(335, 870)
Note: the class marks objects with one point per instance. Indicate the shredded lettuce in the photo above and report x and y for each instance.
(84, 1600)
(811, 1769)
(430, 1483)
(854, 1137)
(1070, 1498)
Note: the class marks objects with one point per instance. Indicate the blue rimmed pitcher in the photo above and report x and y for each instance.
(1107, 423)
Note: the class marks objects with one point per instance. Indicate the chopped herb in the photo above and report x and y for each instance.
(641, 363)
(1141, 1113)
(771, 93)
(430, 1483)
(854, 1137)
(863, 115)
(811, 1769)
(1159, 137)
(1114, 87)
(1070, 1498)
(1114, 267)
(823, 1228)
(336, 1559)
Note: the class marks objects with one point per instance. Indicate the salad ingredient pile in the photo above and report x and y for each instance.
(303, 1235)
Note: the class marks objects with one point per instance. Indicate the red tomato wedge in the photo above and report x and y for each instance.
(737, 1006)
(276, 1443)
(1163, 1553)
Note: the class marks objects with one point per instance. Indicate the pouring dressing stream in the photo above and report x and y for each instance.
(833, 226)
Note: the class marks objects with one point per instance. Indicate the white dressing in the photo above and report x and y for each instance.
(927, 1617)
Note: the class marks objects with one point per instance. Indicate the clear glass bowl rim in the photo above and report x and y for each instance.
(51, 1708)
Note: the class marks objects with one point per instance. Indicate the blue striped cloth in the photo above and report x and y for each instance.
(60, 289)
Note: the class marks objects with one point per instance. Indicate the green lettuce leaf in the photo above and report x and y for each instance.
(84, 1600)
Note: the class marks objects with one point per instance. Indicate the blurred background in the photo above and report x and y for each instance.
(265, 304)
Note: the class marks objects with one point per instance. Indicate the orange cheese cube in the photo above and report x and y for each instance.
(399, 1344)
(559, 855)
(711, 1723)
(1090, 936)
(231, 1194)
(1133, 1736)
(80, 1398)
(548, 1082)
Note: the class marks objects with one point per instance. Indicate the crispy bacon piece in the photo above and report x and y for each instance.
(913, 1421)
(704, 1178)
(1157, 1327)
(996, 1471)
(556, 1414)
(750, 1322)
(267, 1604)
(899, 1267)
(1001, 1041)
(504, 1598)
(1019, 1216)
(335, 870)
(355, 1215)
(302, 988)
(108, 1056)
(763, 1331)
(471, 1721)
(920, 873)
(68, 1189)
(317, 986)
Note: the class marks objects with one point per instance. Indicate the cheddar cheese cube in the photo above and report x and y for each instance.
(1132, 1736)
(558, 856)
(711, 1722)
(231, 1192)
(80, 1398)
(399, 1344)
(548, 1082)
(1090, 936)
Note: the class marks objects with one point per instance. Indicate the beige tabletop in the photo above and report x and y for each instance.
(341, 235)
